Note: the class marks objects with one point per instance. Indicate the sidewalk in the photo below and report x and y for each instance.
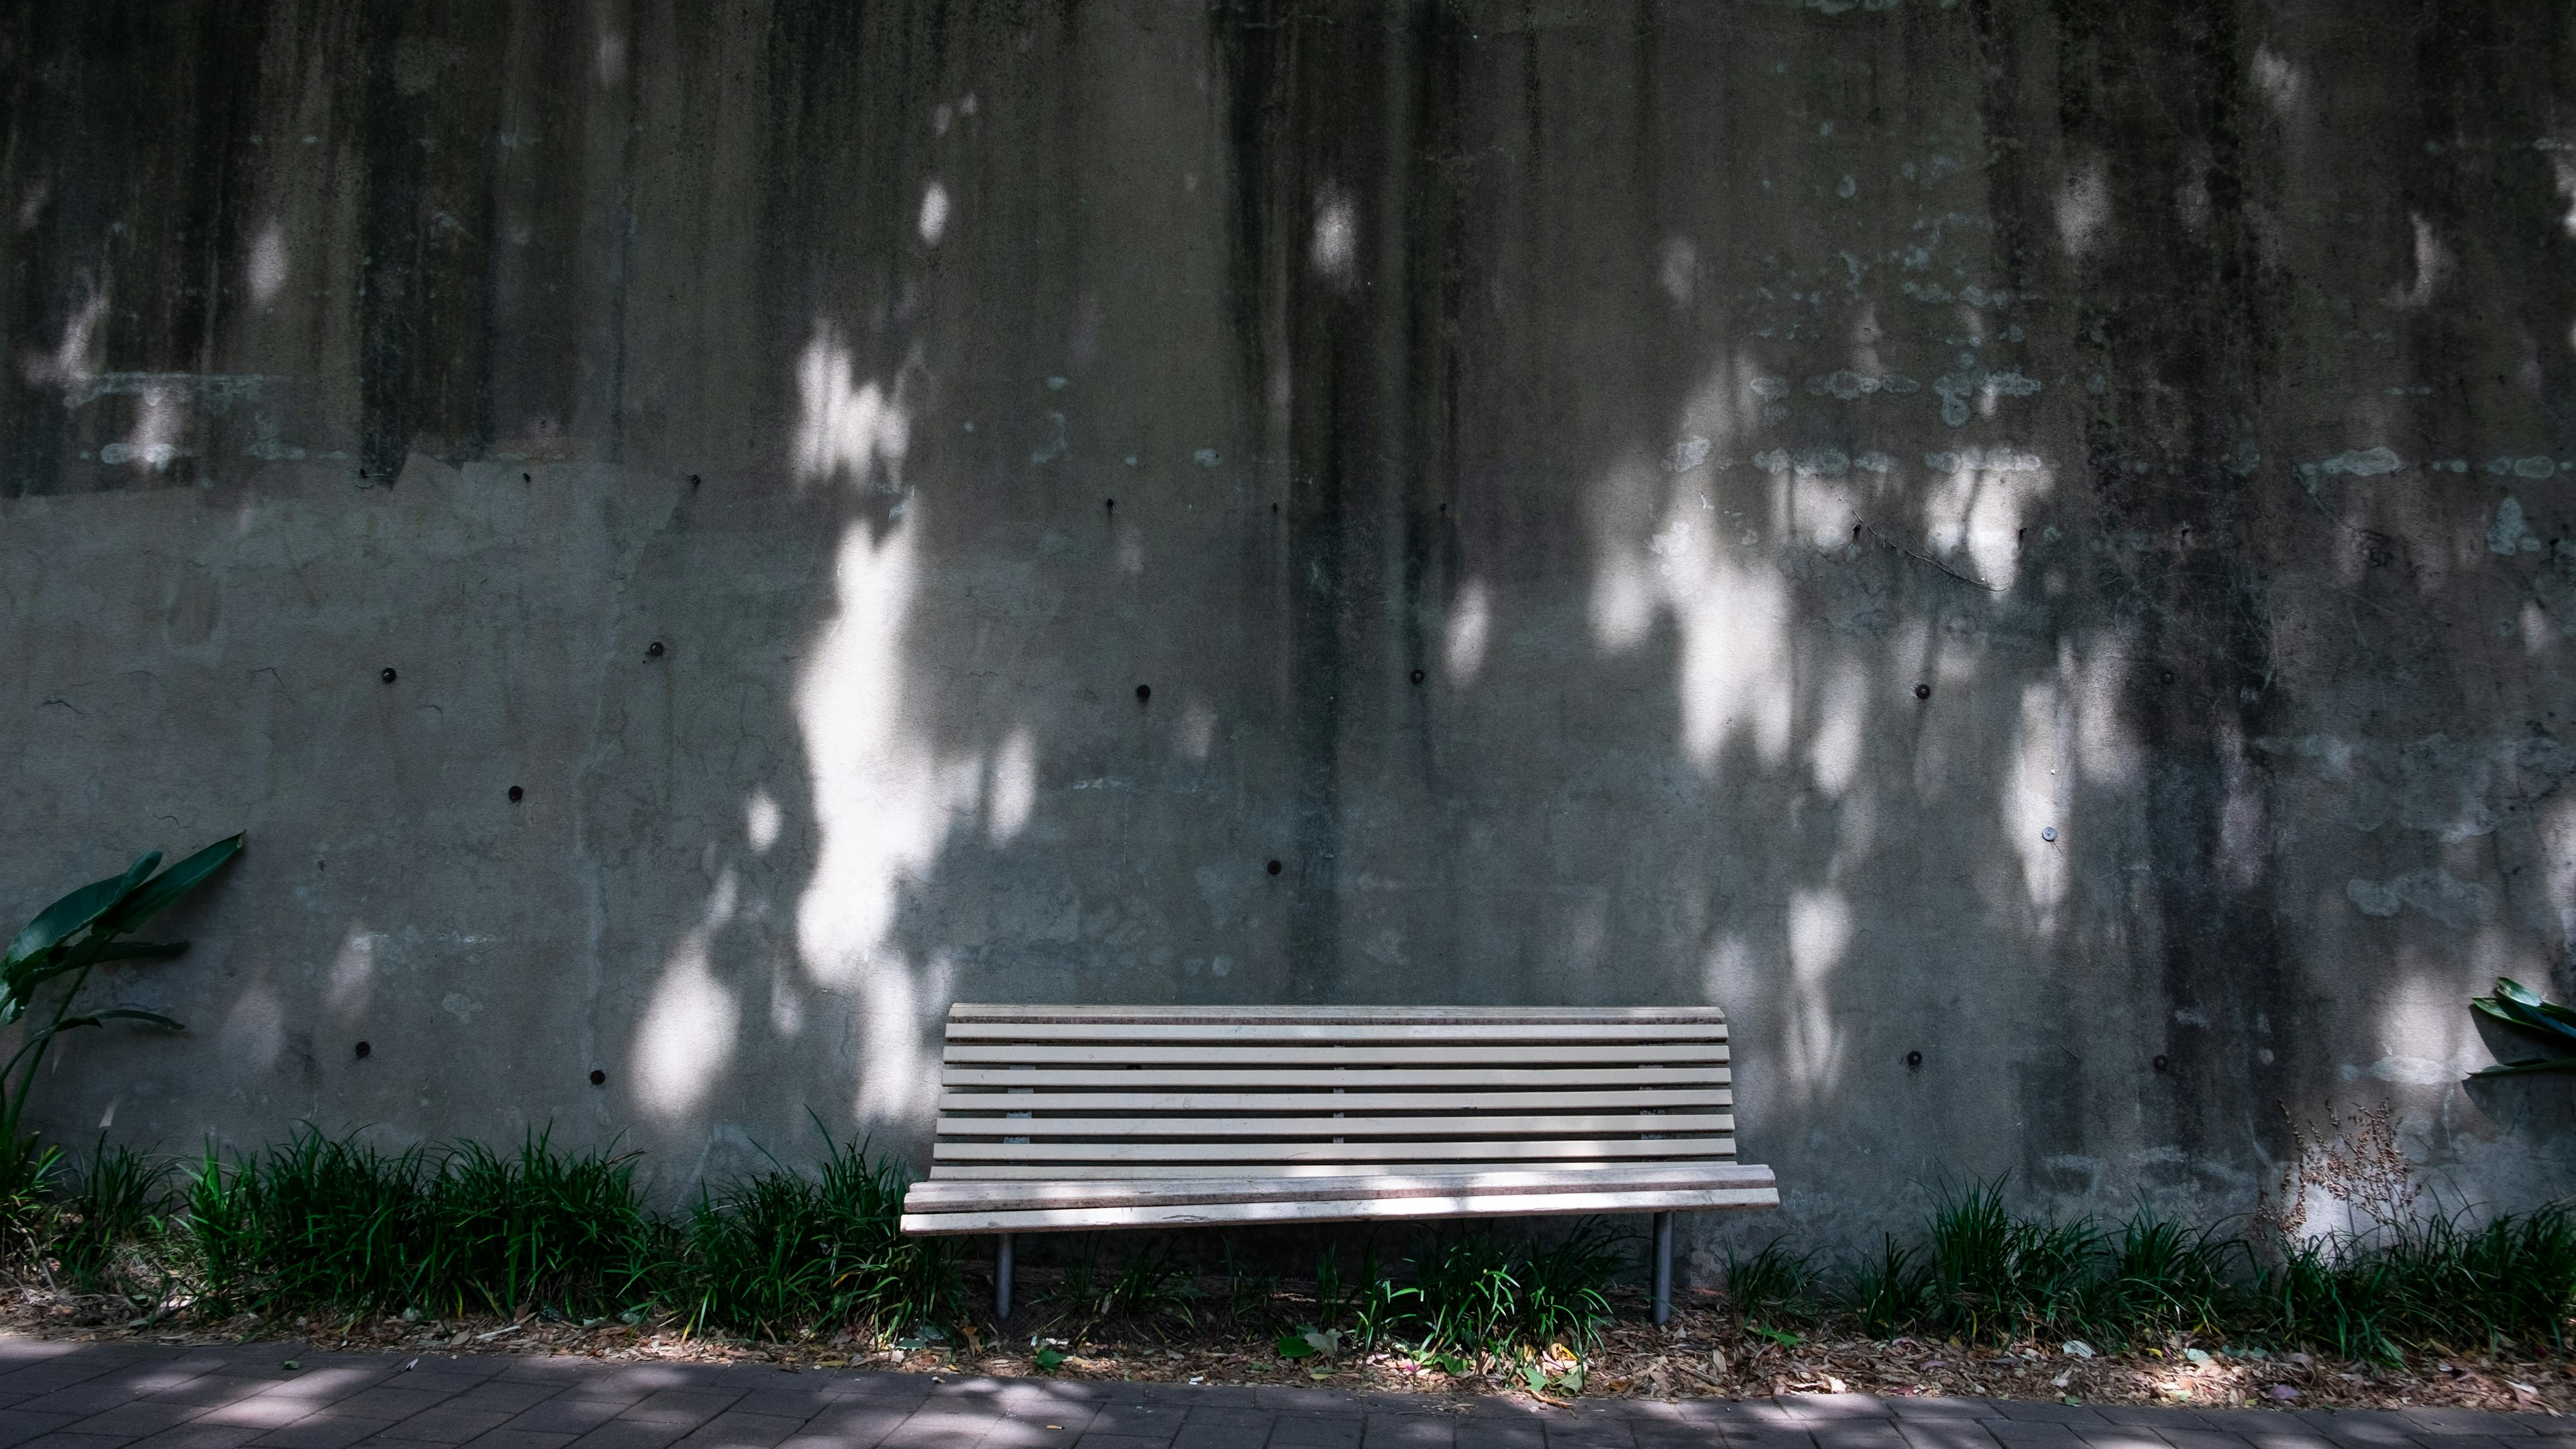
(109, 1395)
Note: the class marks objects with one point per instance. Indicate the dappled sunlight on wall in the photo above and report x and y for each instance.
(689, 1031)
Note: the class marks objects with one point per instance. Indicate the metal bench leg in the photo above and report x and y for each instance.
(1663, 1266)
(1002, 1277)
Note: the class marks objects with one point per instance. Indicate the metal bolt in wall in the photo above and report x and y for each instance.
(387, 676)
(653, 650)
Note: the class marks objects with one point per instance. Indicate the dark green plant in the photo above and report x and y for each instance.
(1996, 1276)
(1773, 1286)
(1565, 1286)
(2537, 1022)
(544, 1229)
(1892, 1293)
(2164, 1278)
(59, 949)
(120, 1198)
(1248, 1294)
(1471, 1298)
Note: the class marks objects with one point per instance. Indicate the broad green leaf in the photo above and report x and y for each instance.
(136, 1013)
(2535, 1064)
(113, 1013)
(175, 882)
(57, 922)
(2514, 990)
(2514, 1013)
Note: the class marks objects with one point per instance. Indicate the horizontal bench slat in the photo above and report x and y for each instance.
(991, 1172)
(1237, 1054)
(1347, 1210)
(1426, 1033)
(1254, 1151)
(929, 1197)
(1440, 1124)
(991, 1011)
(1456, 1101)
(1354, 1078)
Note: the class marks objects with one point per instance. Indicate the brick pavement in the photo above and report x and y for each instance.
(113, 1395)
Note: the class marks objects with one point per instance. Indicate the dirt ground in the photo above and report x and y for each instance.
(1703, 1352)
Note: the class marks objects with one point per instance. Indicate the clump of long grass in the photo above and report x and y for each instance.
(780, 1253)
(318, 1221)
(1981, 1272)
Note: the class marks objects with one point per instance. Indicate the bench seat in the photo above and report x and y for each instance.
(1076, 1118)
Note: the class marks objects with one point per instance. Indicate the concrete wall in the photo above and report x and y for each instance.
(2034, 534)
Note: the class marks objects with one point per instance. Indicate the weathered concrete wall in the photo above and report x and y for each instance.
(2031, 534)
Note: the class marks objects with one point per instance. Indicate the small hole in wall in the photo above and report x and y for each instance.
(1108, 502)
(1855, 533)
(1144, 693)
(1922, 691)
(2162, 1063)
(1274, 867)
(1417, 676)
(1913, 1059)
(524, 478)
(515, 794)
(363, 1050)
(695, 480)
(598, 1078)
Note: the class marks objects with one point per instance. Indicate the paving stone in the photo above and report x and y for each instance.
(388, 1403)
(210, 1390)
(1492, 1433)
(1326, 1431)
(65, 1440)
(448, 1424)
(1062, 1433)
(2361, 1428)
(1910, 1409)
(940, 1430)
(687, 1408)
(134, 1419)
(1768, 1437)
(521, 1439)
(858, 1419)
(2202, 1439)
(510, 1397)
(2465, 1421)
(323, 1429)
(1149, 1420)
(1858, 1434)
(2120, 1436)
(2042, 1411)
(1842, 1406)
(259, 1411)
(735, 1429)
(1591, 1434)
(629, 1434)
(2035, 1434)
(202, 1436)
(96, 1396)
(1948, 1432)
(1663, 1434)
(566, 1413)
(1408, 1431)
(17, 1426)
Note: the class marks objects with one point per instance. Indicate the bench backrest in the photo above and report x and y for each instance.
(1099, 1092)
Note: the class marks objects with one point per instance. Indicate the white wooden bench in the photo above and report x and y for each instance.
(1069, 1118)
